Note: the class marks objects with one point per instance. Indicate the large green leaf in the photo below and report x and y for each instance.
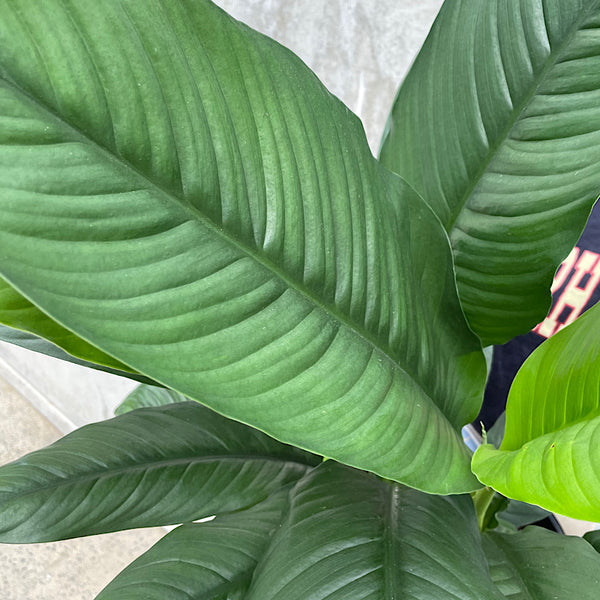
(182, 192)
(349, 535)
(536, 564)
(199, 561)
(153, 466)
(550, 454)
(497, 125)
(345, 535)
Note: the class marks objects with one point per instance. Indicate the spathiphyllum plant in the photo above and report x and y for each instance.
(184, 203)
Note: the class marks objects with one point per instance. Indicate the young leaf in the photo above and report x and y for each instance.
(154, 466)
(497, 126)
(538, 564)
(184, 194)
(350, 536)
(203, 560)
(550, 454)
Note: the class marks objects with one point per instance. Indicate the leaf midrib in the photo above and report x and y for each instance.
(146, 466)
(391, 561)
(196, 215)
(517, 113)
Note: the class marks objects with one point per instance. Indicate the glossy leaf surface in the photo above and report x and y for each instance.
(203, 560)
(537, 564)
(497, 125)
(149, 467)
(183, 193)
(349, 535)
(550, 454)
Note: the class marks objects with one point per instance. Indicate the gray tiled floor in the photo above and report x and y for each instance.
(74, 569)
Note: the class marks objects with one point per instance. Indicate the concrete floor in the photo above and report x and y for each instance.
(73, 569)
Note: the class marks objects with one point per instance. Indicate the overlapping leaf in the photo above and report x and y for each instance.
(593, 538)
(346, 535)
(148, 396)
(23, 324)
(203, 560)
(498, 127)
(550, 454)
(42, 346)
(181, 192)
(149, 467)
(536, 564)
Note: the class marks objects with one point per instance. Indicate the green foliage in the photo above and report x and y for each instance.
(497, 126)
(183, 203)
(551, 449)
(155, 466)
(254, 235)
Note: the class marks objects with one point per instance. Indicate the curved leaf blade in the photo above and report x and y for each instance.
(539, 564)
(349, 535)
(505, 147)
(204, 211)
(593, 538)
(149, 467)
(202, 560)
(550, 454)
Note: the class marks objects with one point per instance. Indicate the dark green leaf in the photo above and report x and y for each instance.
(521, 514)
(496, 432)
(153, 466)
(351, 536)
(199, 561)
(183, 193)
(593, 538)
(537, 564)
(497, 125)
(550, 454)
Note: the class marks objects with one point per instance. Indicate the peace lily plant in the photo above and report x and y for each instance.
(183, 203)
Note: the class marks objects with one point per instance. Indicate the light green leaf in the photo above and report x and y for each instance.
(350, 536)
(184, 194)
(537, 564)
(550, 454)
(203, 560)
(149, 467)
(147, 396)
(497, 126)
